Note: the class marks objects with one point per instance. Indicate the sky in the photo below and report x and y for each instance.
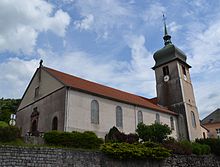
(111, 42)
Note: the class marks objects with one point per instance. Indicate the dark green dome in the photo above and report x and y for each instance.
(167, 54)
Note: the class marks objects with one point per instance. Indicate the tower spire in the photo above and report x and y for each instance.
(166, 37)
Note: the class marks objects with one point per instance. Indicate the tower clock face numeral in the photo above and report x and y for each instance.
(166, 78)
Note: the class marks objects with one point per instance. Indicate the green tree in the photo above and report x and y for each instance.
(155, 132)
(8, 107)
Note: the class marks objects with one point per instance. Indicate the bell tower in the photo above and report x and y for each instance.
(174, 87)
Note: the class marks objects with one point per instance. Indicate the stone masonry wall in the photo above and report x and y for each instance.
(54, 157)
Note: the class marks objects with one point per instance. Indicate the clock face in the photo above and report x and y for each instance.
(166, 78)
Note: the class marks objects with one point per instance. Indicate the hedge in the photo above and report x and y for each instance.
(9, 133)
(214, 144)
(134, 151)
(86, 140)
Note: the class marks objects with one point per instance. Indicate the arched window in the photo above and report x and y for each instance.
(193, 119)
(119, 117)
(140, 117)
(55, 123)
(157, 118)
(94, 112)
(171, 123)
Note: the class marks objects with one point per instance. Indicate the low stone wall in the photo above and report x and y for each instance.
(54, 157)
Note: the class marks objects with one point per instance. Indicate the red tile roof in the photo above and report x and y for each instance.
(104, 91)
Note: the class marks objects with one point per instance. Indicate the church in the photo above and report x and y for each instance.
(55, 100)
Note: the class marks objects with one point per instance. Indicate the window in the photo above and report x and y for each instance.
(184, 70)
(36, 93)
(218, 133)
(140, 117)
(55, 123)
(165, 71)
(157, 118)
(119, 117)
(193, 119)
(171, 123)
(94, 112)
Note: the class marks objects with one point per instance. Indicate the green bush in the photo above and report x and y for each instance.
(134, 151)
(182, 148)
(155, 132)
(185, 147)
(3, 124)
(115, 135)
(9, 133)
(214, 144)
(86, 140)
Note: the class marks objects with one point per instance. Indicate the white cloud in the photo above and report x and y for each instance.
(173, 27)
(21, 22)
(153, 13)
(15, 75)
(86, 23)
(102, 16)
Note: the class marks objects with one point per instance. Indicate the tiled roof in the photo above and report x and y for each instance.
(214, 117)
(104, 91)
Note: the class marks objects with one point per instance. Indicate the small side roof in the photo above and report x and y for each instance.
(214, 117)
(86, 86)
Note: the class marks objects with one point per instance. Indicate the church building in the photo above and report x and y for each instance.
(55, 100)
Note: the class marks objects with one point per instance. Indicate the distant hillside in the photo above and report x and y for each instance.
(8, 107)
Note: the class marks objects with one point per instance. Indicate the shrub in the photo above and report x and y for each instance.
(214, 144)
(134, 151)
(86, 140)
(155, 132)
(9, 133)
(200, 149)
(3, 124)
(115, 135)
(182, 148)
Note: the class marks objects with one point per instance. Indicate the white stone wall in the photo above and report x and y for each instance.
(78, 115)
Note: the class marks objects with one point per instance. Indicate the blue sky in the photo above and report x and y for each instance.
(110, 42)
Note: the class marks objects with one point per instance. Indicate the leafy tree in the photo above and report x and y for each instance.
(8, 107)
(155, 132)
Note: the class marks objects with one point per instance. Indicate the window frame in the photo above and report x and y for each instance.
(166, 71)
(140, 116)
(94, 112)
(119, 116)
(157, 120)
(193, 119)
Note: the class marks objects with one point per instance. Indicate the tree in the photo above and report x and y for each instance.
(155, 132)
(8, 107)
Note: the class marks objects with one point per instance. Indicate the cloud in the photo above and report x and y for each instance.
(101, 16)
(153, 13)
(86, 23)
(15, 75)
(173, 27)
(21, 22)
(133, 76)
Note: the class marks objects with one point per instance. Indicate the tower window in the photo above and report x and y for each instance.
(94, 112)
(119, 117)
(184, 70)
(165, 71)
(193, 119)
